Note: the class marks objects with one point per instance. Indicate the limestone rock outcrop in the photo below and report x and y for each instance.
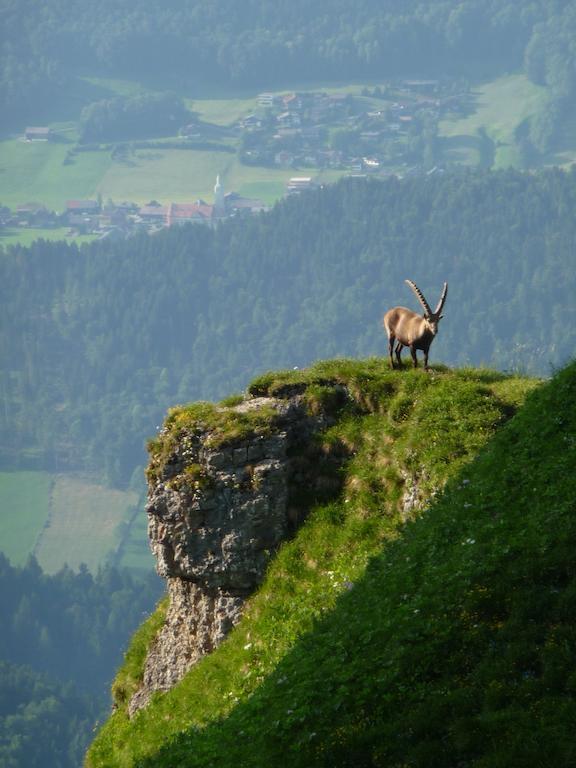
(218, 507)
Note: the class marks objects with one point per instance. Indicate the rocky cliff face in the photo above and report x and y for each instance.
(226, 487)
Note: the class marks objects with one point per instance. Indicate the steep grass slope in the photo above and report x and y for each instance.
(445, 640)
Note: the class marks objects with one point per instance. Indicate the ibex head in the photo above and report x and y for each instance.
(432, 318)
(406, 328)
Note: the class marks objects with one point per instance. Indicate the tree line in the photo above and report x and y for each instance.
(133, 117)
(97, 342)
(262, 44)
(43, 723)
(61, 642)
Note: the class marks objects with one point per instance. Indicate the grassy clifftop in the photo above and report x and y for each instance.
(442, 640)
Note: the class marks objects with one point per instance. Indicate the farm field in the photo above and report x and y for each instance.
(24, 510)
(36, 172)
(85, 524)
(163, 175)
(187, 175)
(497, 109)
(69, 519)
(27, 235)
(135, 552)
(223, 112)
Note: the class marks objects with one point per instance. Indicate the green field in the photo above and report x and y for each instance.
(181, 175)
(135, 552)
(69, 519)
(36, 172)
(176, 175)
(85, 524)
(223, 112)
(24, 510)
(497, 109)
(109, 86)
(27, 235)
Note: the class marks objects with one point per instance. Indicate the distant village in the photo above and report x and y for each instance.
(119, 220)
(338, 131)
(295, 131)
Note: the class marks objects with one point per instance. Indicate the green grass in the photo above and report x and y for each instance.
(223, 112)
(116, 87)
(26, 235)
(126, 682)
(25, 506)
(269, 184)
(85, 524)
(35, 172)
(349, 623)
(225, 424)
(165, 175)
(187, 175)
(135, 550)
(498, 108)
(220, 109)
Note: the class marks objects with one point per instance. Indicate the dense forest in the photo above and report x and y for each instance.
(62, 639)
(43, 724)
(97, 342)
(133, 117)
(262, 43)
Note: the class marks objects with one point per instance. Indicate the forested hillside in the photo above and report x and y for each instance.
(43, 723)
(62, 638)
(261, 43)
(97, 342)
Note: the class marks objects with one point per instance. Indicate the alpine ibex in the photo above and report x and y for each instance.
(409, 329)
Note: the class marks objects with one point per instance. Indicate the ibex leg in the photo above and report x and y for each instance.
(414, 358)
(398, 350)
(426, 361)
(391, 340)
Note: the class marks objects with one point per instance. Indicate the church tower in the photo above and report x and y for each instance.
(219, 202)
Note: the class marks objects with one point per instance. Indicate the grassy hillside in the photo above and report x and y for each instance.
(497, 109)
(446, 640)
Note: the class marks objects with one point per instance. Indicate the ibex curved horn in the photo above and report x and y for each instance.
(420, 296)
(442, 299)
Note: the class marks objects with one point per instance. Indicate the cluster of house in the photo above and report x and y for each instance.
(122, 219)
(296, 129)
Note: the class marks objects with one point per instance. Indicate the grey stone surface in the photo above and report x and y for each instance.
(212, 533)
(196, 622)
